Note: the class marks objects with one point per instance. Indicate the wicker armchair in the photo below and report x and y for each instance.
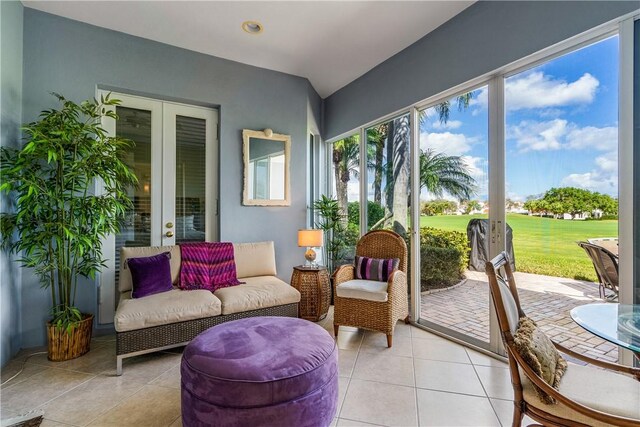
(587, 396)
(375, 315)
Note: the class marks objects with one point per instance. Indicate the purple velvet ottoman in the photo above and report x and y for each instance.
(260, 371)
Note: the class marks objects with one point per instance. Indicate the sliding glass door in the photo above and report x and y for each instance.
(454, 215)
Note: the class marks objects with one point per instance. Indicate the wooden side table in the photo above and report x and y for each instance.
(315, 290)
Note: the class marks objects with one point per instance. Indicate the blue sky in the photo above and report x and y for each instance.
(561, 126)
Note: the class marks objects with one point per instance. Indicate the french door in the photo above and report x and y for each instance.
(175, 160)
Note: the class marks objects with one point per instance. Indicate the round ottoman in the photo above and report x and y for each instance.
(260, 371)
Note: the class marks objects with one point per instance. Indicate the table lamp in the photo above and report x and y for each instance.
(311, 239)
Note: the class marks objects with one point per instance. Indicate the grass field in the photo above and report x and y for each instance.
(542, 245)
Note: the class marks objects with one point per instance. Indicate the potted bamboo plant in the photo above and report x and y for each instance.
(57, 222)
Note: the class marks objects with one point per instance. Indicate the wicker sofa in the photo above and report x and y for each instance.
(173, 318)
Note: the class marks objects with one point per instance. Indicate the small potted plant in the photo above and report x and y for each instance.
(57, 222)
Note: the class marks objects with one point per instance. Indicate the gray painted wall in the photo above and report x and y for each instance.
(10, 120)
(72, 58)
(484, 37)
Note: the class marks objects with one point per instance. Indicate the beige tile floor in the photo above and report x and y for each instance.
(422, 380)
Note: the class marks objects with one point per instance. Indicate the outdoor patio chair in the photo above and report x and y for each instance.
(587, 396)
(375, 306)
(606, 266)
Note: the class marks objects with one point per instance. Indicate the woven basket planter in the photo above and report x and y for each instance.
(64, 346)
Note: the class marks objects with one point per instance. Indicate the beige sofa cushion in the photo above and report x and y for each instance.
(255, 259)
(125, 283)
(370, 290)
(257, 292)
(164, 308)
(595, 388)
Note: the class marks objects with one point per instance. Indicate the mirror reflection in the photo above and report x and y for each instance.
(266, 166)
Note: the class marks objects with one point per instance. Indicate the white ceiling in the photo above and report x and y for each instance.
(329, 42)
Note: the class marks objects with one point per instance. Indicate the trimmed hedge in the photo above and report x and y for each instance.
(439, 267)
(444, 256)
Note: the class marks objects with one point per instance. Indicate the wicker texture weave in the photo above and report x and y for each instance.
(374, 315)
(315, 292)
(181, 332)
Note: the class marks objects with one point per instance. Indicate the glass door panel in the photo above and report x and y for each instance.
(388, 158)
(562, 186)
(346, 179)
(454, 212)
(191, 185)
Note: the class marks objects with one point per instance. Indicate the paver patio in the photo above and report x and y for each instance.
(465, 308)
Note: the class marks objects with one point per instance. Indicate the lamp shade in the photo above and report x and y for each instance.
(310, 238)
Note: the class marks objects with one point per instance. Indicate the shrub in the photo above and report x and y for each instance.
(439, 267)
(444, 255)
(375, 212)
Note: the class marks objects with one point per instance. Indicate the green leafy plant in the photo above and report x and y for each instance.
(336, 233)
(57, 223)
(444, 256)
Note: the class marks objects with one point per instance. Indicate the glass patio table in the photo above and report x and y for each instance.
(616, 323)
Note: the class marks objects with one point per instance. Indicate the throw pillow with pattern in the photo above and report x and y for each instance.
(374, 268)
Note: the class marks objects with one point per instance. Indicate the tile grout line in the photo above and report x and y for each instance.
(415, 382)
(495, 413)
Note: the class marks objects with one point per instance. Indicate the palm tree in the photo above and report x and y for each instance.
(441, 174)
(392, 137)
(345, 164)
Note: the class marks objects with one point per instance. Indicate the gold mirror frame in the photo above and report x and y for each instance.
(268, 134)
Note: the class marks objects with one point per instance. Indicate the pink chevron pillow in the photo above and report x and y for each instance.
(207, 265)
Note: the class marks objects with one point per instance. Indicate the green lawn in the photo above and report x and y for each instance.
(542, 245)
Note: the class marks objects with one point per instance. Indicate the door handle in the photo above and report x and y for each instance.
(169, 225)
(169, 234)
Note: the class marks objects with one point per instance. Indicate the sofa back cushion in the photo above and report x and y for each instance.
(255, 259)
(125, 283)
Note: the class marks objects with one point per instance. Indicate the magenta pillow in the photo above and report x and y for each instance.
(374, 268)
(150, 275)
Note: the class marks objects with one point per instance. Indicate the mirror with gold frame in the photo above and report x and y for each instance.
(266, 168)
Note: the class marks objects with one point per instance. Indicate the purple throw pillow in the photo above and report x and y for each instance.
(374, 268)
(150, 275)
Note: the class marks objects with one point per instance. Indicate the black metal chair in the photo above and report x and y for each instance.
(606, 265)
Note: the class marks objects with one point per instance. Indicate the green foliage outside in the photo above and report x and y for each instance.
(57, 224)
(438, 207)
(542, 245)
(439, 267)
(574, 201)
(444, 257)
(375, 212)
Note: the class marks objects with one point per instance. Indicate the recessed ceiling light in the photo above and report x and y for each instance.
(252, 27)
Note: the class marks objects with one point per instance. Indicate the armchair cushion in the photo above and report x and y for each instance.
(540, 354)
(374, 268)
(370, 290)
(595, 388)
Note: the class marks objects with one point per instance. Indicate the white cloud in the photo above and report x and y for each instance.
(478, 169)
(608, 162)
(603, 178)
(453, 144)
(539, 90)
(559, 134)
(594, 181)
(450, 124)
(602, 139)
(538, 136)
(353, 190)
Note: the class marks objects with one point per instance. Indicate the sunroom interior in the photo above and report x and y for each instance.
(472, 125)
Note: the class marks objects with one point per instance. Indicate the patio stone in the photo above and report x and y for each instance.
(545, 299)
